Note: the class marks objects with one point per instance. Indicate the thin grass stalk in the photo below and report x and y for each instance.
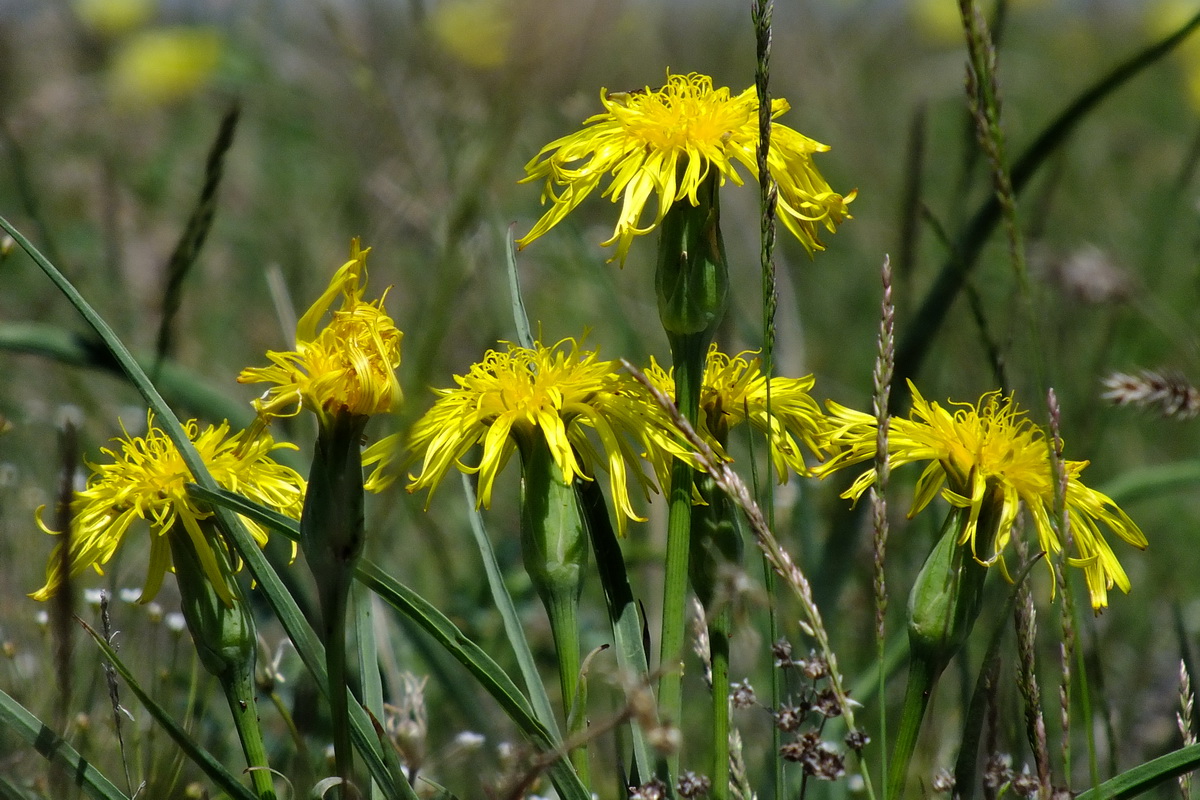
(1067, 613)
(63, 609)
(1184, 721)
(768, 194)
(1025, 621)
(882, 379)
(932, 311)
(983, 96)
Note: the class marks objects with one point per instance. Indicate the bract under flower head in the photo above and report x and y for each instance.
(146, 478)
(347, 366)
(560, 393)
(734, 390)
(663, 142)
(991, 453)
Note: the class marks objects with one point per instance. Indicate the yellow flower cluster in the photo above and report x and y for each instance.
(990, 453)
(664, 142)
(347, 366)
(146, 478)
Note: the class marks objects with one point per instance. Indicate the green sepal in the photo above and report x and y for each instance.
(553, 536)
(224, 633)
(331, 527)
(716, 543)
(946, 598)
(692, 277)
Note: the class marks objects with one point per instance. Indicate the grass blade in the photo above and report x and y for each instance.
(215, 770)
(508, 612)
(1146, 776)
(55, 749)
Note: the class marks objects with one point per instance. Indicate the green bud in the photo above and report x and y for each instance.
(331, 526)
(553, 536)
(224, 634)
(716, 544)
(692, 279)
(948, 593)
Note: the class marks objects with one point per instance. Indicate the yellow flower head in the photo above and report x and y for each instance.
(146, 478)
(663, 142)
(348, 366)
(559, 393)
(163, 65)
(735, 390)
(991, 454)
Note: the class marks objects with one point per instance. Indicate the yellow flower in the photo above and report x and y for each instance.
(348, 366)
(559, 393)
(147, 479)
(663, 142)
(991, 454)
(476, 32)
(164, 65)
(734, 390)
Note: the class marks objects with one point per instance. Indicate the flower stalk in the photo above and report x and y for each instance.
(225, 641)
(692, 285)
(716, 548)
(942, 608)
(332, 538)
(554, 548)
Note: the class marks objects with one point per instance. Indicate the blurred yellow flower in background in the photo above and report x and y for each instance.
(663, 142)
(114, 17)
(990, 455)
(163, 65)
(1164, 18)
(476, 32)
(146, 478)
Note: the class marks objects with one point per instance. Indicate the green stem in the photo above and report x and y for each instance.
(239, 691)
(335, 592)
(719, 631)
(554, 550)
(564, 627)
(922, 674)
(332, 536)
(688, 353)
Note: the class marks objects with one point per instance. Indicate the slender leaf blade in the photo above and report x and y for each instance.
(55, 749)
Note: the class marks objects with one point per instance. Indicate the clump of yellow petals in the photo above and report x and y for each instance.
(146, 478)
(560, 393)
(348, 366)
(734, 390)
(663, 142)
(990, 453)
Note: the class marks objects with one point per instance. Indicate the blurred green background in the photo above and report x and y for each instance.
(408, 124)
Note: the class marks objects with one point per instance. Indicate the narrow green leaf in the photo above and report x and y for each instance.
(382, 761)
(215, 770)
(520, 318)
(508, 613)
(368, 659)
(55, 749)
(1145, 777)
